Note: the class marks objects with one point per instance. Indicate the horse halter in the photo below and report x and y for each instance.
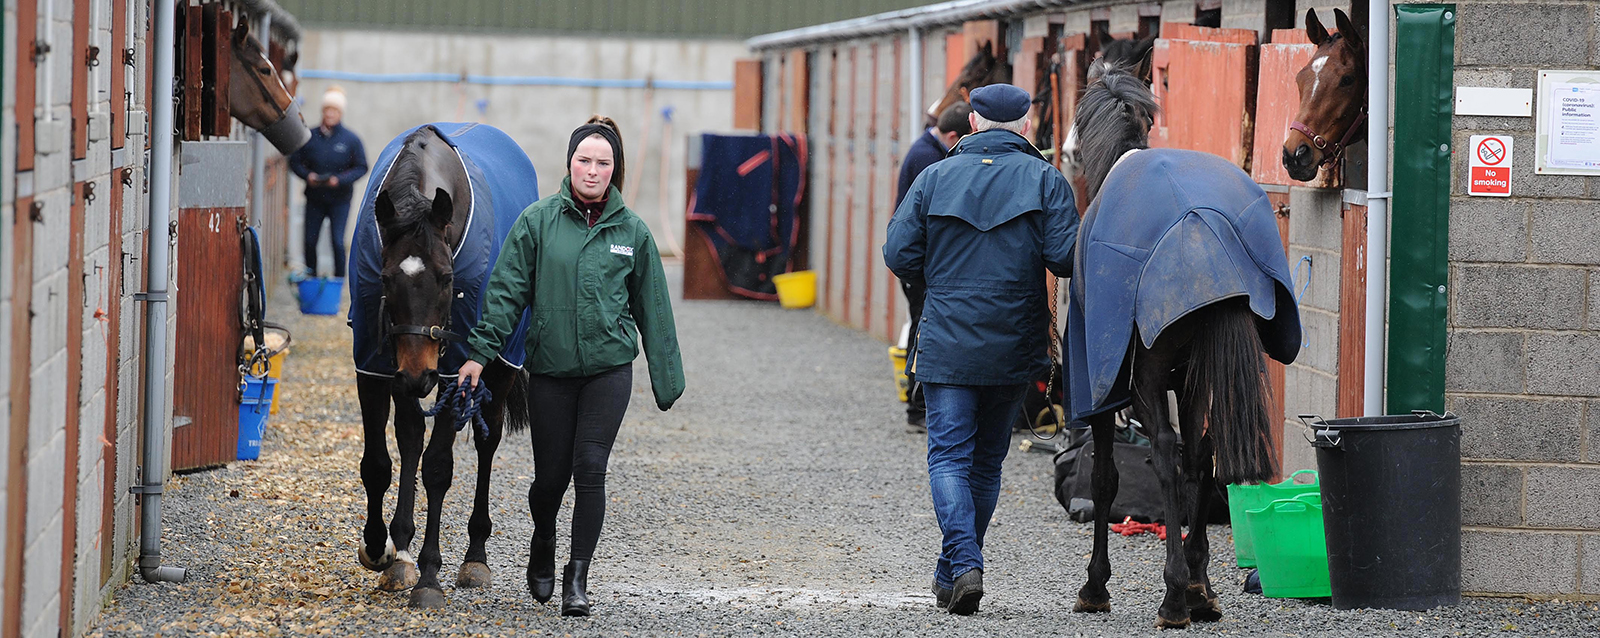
(1329, 157)
(287, 133)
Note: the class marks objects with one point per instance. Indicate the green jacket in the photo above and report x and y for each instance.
(593, 293)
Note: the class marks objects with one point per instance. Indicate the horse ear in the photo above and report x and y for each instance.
(383, 209)
(443, 211)
(241, 31)
(1314, 30)
(1346, 28)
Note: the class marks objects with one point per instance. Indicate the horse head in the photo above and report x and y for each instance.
(1114, 116)
(982, 70)
(258, 97)
(1132, 56)
(416, 214)
(1333, 98)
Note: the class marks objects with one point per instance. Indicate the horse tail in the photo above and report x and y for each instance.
(1226, 365)
(516, 405)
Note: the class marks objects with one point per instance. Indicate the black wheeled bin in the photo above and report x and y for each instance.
(1391, 498)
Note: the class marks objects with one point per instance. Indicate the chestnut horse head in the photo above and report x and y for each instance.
(1333, 98)
(257, 96)
(982, 70)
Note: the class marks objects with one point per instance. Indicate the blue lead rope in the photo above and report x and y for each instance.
(465, 404)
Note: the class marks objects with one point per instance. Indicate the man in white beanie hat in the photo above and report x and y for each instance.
(330, 164)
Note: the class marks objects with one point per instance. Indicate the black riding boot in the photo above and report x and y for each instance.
(542, 567)
(575, 588)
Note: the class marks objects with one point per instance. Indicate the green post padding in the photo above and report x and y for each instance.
(1418, 257)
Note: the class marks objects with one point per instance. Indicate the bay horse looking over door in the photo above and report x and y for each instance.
(982, 69)
(443, 198)
(1181, 284)
(258, 97)
(1333, 98)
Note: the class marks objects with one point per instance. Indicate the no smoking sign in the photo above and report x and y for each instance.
(1489, 166)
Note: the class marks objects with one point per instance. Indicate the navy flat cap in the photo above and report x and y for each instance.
(1001, 102)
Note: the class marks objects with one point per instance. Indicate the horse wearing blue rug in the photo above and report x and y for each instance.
(442, 199)
(1180, 284)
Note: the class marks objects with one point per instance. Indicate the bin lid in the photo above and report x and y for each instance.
(1420, 419)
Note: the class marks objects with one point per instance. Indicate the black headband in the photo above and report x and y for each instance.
(610, 136)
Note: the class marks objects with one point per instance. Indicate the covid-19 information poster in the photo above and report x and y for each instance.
(1569, 123)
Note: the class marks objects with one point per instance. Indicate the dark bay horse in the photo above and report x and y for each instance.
(257, 95)
(1181, 284)
(982, 69)
(442, 199)
(1333, 99)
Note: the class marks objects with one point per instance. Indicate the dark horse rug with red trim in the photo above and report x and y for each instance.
(746, 207)
(503, 185)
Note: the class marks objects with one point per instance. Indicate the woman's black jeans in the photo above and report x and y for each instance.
(574, 422)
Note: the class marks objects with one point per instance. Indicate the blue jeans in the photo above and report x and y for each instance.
(336, 213)
(969, 433)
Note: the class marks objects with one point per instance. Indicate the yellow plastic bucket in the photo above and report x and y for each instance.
(796, 289)
(277, 342)
(897, 357)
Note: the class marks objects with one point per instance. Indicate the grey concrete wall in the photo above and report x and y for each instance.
(540, 118)
(1523, 365)
(1311, 383)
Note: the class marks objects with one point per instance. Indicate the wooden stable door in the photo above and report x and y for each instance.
(206, 380)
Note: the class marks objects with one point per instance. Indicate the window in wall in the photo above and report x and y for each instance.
(1208, 13)
(1280, 15)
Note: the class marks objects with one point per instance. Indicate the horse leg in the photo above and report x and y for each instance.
(1093, 597)
(377, 551)
(409, 428)
(1200, 598)
(1150, 382)
(475, 570)
(438, 468)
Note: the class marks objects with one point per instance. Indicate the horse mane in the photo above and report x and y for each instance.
(1114, 116)
(404, 185)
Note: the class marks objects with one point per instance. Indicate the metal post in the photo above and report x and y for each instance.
(1378, 197)
(153, 474)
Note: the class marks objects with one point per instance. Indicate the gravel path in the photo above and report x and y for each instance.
(782, 496)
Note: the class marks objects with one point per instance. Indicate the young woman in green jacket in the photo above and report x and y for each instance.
(588, 269)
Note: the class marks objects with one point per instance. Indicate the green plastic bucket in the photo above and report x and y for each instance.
(1291, 551)
(1243, 498)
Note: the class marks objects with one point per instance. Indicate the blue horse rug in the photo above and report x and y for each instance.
(746, 207)
(1170, 232)
(503, 185)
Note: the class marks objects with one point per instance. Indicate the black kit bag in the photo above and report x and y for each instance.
(1138, 490)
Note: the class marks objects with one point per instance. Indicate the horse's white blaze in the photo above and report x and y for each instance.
(1316, 72)
(412, 266)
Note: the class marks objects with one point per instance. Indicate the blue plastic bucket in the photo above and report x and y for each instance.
(320, 295)
(254, 406)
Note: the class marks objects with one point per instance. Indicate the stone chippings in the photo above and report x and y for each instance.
(782, 496)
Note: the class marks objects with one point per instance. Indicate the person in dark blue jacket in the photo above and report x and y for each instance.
(330, 163)
(952, 125)
(979, 229)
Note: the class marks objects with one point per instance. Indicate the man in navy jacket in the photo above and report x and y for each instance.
(330, 163)
(952, 125)
(979, 228)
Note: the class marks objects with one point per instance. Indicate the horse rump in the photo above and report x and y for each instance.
(1226, 365)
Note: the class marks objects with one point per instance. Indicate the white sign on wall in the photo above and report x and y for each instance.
(1568, 141)
(1489, 166)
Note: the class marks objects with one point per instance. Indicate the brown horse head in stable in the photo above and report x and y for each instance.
(421, 210)
(1333, 98)
(1131, 55)
(982, 70)
(258, 97)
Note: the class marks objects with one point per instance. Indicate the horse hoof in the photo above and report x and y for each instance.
(1203, 605)
(1163, 623)
(381, 563)
(426, 598)
(474, 575)
(1086, 607)
(400, 576)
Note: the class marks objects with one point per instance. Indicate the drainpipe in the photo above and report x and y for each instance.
(913, 107)
(153, 474)
(1378, 196)
(258, 147)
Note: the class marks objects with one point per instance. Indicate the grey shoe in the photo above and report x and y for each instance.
(967, 592)
(941, 595)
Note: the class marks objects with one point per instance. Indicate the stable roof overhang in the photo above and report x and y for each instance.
(933, 15)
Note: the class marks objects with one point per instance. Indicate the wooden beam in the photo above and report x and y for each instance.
(747, 95)
(117, 64)
(21, 389)
(27, 85)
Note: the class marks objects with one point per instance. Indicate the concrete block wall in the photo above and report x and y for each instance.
(1311, 383)
(1523, 364)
